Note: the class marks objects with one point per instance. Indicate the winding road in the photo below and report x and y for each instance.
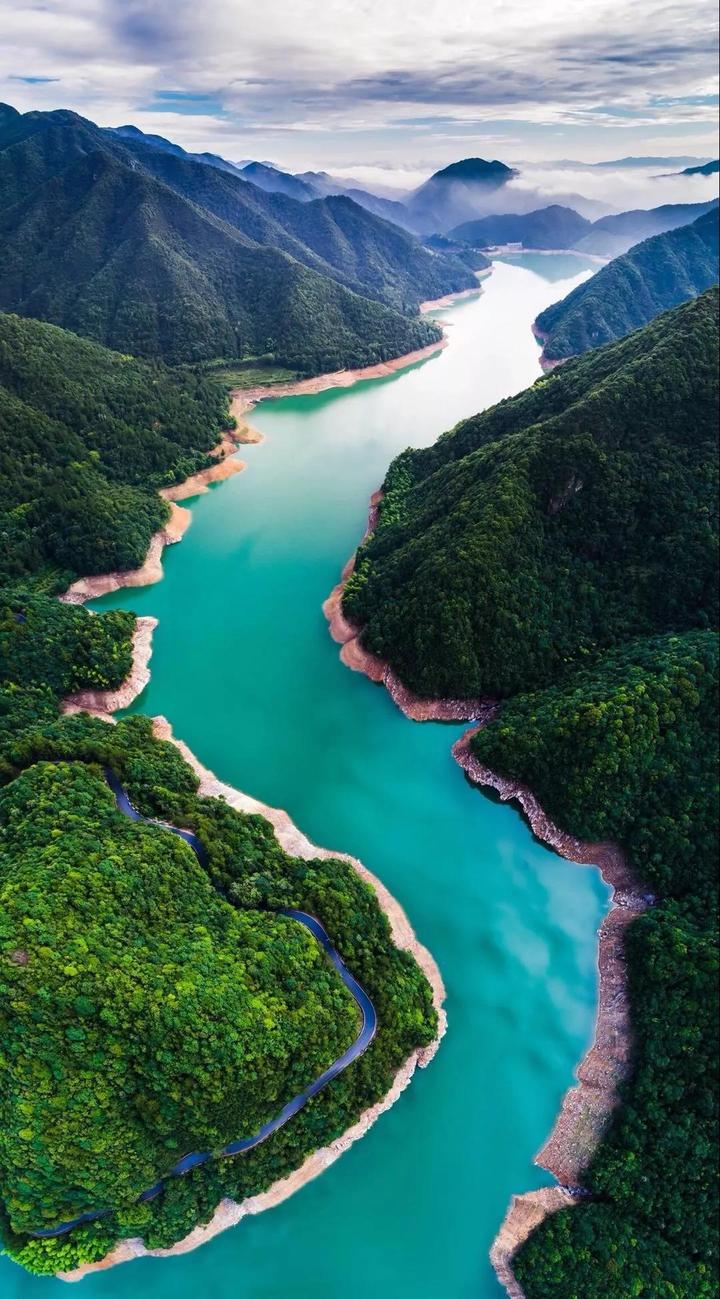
(365, 1036)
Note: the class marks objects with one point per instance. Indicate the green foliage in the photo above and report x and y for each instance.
(627, 750)
(127, 1043)
(659, 273)
(85, 436)
(162, 256)
(84, 887)
(610, 1257)
(557, 523)
(62, 646)
(148, 1007)
(561, 549)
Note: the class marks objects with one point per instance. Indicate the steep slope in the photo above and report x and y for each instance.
(361, 251)
(539, 531)
(107, 251)
(456, 193)
(333, 235)
(657, 274)
(277, 182)
(612, 235)
(549, 227)
(159, 142)
(561, 549)
(85, 435)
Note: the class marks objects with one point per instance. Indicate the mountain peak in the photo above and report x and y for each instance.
(476, 170)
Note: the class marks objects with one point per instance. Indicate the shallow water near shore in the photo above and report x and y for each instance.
(245, 670)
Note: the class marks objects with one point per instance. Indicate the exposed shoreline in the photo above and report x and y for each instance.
(229, 1212)
(546, 363)
(102, 704)
(587, 1105)
(244, 399)
(352, 654)
(150, 571)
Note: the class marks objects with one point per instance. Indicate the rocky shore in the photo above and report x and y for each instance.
(229, 1212)
(358, 659)
(103, 703)
(587, 1106)
(111, 701)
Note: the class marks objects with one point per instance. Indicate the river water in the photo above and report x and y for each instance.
(244, 668)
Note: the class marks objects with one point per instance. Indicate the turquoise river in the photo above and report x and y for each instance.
(244, 668)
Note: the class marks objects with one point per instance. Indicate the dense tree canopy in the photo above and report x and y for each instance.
(653, 276)
(163, 256)
(149, 1005)
(86, 434)
(558, 522)
(561, 549)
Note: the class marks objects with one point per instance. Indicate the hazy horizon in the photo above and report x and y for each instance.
(331, 87)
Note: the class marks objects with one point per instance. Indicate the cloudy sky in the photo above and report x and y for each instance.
(377, 83)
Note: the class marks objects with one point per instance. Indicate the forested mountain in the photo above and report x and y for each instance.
(168, 1005)
(456, 193)
(561, 227)
(548, 227)
(86, 434)
(133, 133)
(333, 236)
(612, 235)
(166, 256)
(657, 274)
(561, 550)
(536, 533)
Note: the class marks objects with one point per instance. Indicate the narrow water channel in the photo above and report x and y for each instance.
(245, 670)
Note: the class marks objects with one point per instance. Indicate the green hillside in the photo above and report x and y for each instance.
(561, 549)
(548, 227)
(86, 434)
(149, 1005)
(632, 290)
(627, 749)
(561, 521)
(156, 253)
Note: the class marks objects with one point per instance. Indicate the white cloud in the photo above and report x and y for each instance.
(295, 69)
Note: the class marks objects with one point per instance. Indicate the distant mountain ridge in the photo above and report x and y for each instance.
(561, 227)
(630, 291)
(707, 169)
(550, 227)
(147, 249)
(451, 195)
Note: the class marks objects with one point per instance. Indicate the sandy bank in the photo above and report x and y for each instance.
(150, 571)
(358, 659)
(449, 299)
(111, 701)
(229, 1212)
(587, 1107)
(244, 399)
